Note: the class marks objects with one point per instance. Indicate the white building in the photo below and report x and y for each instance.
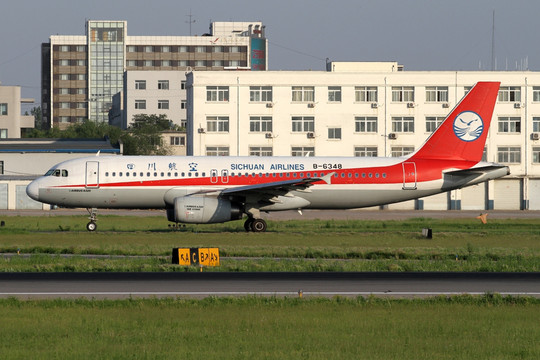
(372, 109)
(11, 120)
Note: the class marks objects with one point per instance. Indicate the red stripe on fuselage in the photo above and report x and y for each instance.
(426, 170)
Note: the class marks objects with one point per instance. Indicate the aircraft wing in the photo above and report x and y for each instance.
(277, 187)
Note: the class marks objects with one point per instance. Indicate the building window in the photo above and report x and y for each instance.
(148, 49)
(217, 49)
(260, 151)
(403, 124)
(334, 94)
(131, 49)
(165, 49)
(63, 119)
(183, 104)
(82, 105)
(140, 104)
(303, 93)
(81, 77)
(217, 63)
(303, 151)
(234, 63)
(402, 93)
(510, 94)
(217, 123)
(163, 104)
(365, 94)
(178, 141)
(398, 151)
(217, 151)
(183, 49)
(3, 133)
(148, 63)
(63, 62)
(536, 155)
(182, 63)
(536, 93)
(131, 63)
(63, 91)
(63, 77)
(234, 49)
(436, 93)
(260, 93)
(183, 85)
(200, 49)
(509, 124)
(3, 109)
(64, 48)
(1, 166)
(509, 154)
(536, 124)
(163, 84)
(165, 63)
(365, 151)
(365, 124)
(334, 133)
(200, 63)
(260, 124)
(81, 48)
(433, 122)
(217, 93)
(64, 105)
(303, 123)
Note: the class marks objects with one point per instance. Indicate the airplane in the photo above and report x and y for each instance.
(203, 190)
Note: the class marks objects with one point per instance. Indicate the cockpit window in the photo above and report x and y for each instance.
(64, 173)
(57, 172)
(49, 173)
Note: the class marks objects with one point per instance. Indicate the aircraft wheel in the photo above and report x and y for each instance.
(258, 225)
(247, 224)
(91, 226)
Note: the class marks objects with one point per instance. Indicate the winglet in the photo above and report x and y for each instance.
(97, 154)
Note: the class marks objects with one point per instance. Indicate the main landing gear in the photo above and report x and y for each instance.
(255, 225)
(92, 226)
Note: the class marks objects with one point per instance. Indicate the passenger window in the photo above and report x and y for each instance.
(113, 174)
(106, 173)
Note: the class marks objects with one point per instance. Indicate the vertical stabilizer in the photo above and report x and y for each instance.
(462, 135)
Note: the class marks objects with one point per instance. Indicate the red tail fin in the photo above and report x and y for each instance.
(462, 135)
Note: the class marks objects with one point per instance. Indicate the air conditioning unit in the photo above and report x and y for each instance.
(269, 105)
(200, 130)
(517, 106)
(268, 135)
(392, 136)
(310, 135)
(410, 105)
(445, 105)
(311, 105)
(535, 136)
(374, 105)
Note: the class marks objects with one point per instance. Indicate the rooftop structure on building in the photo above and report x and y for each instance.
(82, 73)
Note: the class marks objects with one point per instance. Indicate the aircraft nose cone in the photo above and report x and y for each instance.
(32, 190)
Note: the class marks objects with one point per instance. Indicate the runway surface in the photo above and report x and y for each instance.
(198, 285)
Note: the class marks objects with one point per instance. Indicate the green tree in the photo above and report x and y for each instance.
(143, 137)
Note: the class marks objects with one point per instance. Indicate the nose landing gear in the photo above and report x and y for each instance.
(92, 226)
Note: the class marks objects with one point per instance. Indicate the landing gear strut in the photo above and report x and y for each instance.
(92, 226)
(255, 225)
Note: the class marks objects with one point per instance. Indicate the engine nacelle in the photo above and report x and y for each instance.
(203, 210)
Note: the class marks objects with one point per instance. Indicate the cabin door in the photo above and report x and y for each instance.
(409, 176)
(92, 174)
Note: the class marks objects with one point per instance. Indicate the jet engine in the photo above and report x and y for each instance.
(203, 210)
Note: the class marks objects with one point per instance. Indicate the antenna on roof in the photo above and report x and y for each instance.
(190, 21)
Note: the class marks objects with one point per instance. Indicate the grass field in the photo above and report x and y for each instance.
(315, 245)
(488, 327)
